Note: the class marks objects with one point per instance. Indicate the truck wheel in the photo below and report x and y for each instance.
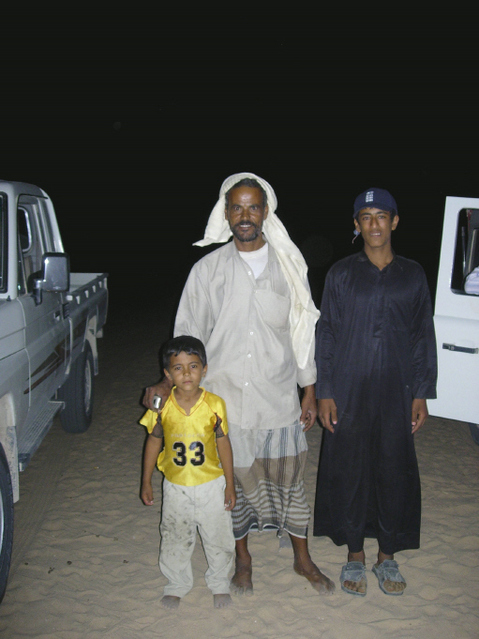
(6, 522)
(474, 428)
(77, 393)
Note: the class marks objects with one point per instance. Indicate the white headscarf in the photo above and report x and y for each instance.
(303, 315)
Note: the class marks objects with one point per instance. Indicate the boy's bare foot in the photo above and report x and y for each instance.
(222, 601)
(320, 582)
(241, 582)
(168, 601)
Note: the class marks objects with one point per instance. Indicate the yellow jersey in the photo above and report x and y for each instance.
(189, 456)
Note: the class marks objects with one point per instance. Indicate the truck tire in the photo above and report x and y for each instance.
(6, 522)
(77, 393)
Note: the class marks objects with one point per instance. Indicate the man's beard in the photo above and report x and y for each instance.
(256, 232)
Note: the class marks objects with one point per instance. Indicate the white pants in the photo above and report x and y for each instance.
(186, 508)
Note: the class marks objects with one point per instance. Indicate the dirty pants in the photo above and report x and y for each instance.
(186, 509)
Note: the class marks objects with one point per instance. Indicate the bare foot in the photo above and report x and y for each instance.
(168, 601)
(320, 582)
(241, 582)
(222, 601)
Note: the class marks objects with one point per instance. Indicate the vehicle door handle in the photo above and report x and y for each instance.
(57, 316)
(461, 349)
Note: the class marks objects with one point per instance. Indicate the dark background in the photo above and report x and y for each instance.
(130, 121)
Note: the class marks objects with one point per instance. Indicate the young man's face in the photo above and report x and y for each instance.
(185, 371)
(245, 213)
(376, 227)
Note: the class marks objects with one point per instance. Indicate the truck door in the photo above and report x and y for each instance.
(456, 315)
(45, 330)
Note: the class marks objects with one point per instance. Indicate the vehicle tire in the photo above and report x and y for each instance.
(6, 522)
(77, 393)
(474, 428)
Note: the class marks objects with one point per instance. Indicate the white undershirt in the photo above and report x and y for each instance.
(256, 260)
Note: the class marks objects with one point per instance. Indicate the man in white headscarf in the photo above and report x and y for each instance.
(249, 302)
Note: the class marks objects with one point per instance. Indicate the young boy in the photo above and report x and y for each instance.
(376, 359)
(197, 462)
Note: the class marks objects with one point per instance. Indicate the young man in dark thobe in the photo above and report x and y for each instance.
(376, 359)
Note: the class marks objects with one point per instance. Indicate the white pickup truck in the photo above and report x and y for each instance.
(456, 316)
(49, 324)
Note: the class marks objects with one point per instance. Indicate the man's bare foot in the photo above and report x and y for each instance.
(241, 582)
(320, 582)
(168, 601)
(222, 601)
(304, 566)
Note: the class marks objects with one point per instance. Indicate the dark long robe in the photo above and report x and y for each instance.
(375, 352)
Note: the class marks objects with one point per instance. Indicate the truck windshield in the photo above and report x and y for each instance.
(3, 244)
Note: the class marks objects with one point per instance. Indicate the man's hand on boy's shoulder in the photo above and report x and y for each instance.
(162, 389)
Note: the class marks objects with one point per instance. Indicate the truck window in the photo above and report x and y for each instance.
(3, 243)
(466, 254)
(47, 226)
(30, 244)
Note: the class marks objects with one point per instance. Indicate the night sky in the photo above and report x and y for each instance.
(131, 120)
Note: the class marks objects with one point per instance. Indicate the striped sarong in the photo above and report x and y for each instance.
(270, 490)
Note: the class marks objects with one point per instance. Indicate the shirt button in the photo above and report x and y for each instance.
(246, 383)
(249, 355)
(251, 332)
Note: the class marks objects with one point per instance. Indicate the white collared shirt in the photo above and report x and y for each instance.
(244, 323)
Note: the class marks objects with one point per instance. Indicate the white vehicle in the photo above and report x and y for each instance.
(456, 316)
(49, 324)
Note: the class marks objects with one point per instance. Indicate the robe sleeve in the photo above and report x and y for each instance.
(326, 334)
(423, 343)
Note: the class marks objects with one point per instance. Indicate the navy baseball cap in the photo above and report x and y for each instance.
(375, 199)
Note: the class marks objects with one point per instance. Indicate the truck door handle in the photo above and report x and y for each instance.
(461, 349)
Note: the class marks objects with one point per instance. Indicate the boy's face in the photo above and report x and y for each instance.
(186, 371)
(376, 226)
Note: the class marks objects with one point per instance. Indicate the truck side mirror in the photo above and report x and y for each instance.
(55, 275)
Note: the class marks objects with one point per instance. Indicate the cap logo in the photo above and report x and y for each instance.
(369, 196)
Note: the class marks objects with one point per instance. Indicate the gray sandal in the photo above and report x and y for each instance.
(388, 570)
(354, 571)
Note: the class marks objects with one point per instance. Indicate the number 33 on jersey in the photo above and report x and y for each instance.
(189, 456)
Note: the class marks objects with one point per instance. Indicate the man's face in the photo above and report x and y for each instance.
(245, 213)
(376, 227)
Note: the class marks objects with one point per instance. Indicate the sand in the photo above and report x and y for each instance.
(86, 549)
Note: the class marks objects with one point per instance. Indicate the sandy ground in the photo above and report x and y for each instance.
(86, 549)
